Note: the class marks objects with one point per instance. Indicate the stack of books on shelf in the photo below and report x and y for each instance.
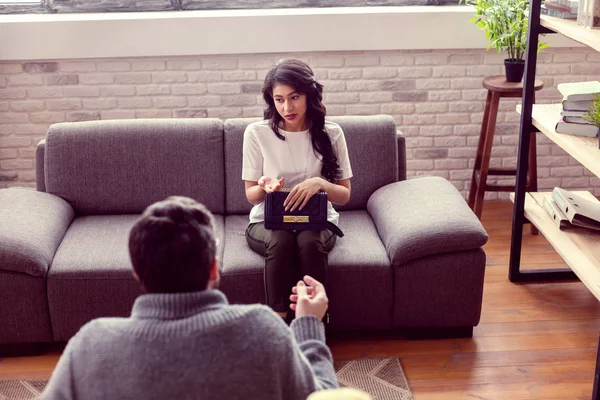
(577, 100)
(566, 9)
(569, 210)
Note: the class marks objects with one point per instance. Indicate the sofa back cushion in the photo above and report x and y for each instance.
(235, 193)
(122, 166)
(372, 148)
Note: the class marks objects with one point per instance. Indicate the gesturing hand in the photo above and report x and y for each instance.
(269, 184)
(309, 300)
(301, 193)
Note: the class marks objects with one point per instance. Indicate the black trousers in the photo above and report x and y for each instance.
(289, 255)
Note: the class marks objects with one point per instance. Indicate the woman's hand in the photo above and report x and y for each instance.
(301, 193)
(269, 184)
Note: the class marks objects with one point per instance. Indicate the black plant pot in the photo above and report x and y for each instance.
(514, 69)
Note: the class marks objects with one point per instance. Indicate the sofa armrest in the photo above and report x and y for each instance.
(401, 156)
(33, 226)
(40, 153)
(424, 216)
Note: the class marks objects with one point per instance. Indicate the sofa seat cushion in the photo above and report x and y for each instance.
(91, 275)
(422, 217)
(242, 270)
(360, 280)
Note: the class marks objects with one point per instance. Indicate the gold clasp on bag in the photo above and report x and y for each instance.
(295, 218)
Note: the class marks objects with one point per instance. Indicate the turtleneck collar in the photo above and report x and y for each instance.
(168, 306)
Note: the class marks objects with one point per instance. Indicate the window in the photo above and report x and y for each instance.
(241, 4)
(84, 6)
(21, 6)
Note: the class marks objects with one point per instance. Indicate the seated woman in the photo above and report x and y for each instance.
(294, 146)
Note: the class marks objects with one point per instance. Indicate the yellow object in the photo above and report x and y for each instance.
(340, 394)
(295, 218)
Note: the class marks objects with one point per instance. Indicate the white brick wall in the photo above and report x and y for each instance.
(436, 98)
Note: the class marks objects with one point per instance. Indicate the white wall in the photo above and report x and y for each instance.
(109, 35)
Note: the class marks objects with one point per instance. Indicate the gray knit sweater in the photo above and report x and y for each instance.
(194, 346)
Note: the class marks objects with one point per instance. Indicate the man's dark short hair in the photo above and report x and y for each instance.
(172, 246)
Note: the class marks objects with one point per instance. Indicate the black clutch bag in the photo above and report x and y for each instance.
(313, 217)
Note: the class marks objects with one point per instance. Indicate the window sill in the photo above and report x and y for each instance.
(114, 35)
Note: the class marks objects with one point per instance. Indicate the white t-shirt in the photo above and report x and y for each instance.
(293, 159)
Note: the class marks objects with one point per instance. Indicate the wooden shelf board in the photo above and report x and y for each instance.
(579, 247)
(569, 28)
(583, 149)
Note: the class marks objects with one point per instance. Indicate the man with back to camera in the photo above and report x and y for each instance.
(183, 340)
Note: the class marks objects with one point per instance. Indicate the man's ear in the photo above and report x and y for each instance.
(214, 271)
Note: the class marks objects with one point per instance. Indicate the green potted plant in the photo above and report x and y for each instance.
(505, 24)
(593, 114)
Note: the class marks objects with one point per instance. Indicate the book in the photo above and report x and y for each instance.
(560, 14)
(579, 91)
(562, 8)
(587, 16)
(567, 3)
(576, 120)
(576, 117)
(570, 128)
(560, 219)
(568, 113)
(578, 210)
(570, 105)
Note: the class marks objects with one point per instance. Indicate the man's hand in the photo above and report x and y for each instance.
(309, 298)
(269, 184)
(301, 193)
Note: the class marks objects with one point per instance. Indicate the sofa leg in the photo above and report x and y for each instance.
(454, 332)
(20, 349)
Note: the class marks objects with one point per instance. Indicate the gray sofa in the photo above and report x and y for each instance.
(411, 256)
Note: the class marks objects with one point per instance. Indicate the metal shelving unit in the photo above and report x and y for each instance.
(579, 249)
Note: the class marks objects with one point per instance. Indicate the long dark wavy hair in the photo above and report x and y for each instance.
(297, 74)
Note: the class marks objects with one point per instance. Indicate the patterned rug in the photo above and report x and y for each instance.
(382, 378)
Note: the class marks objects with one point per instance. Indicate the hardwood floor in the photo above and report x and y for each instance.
(535, 341)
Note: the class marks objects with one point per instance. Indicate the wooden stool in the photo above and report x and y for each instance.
(497, 87)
